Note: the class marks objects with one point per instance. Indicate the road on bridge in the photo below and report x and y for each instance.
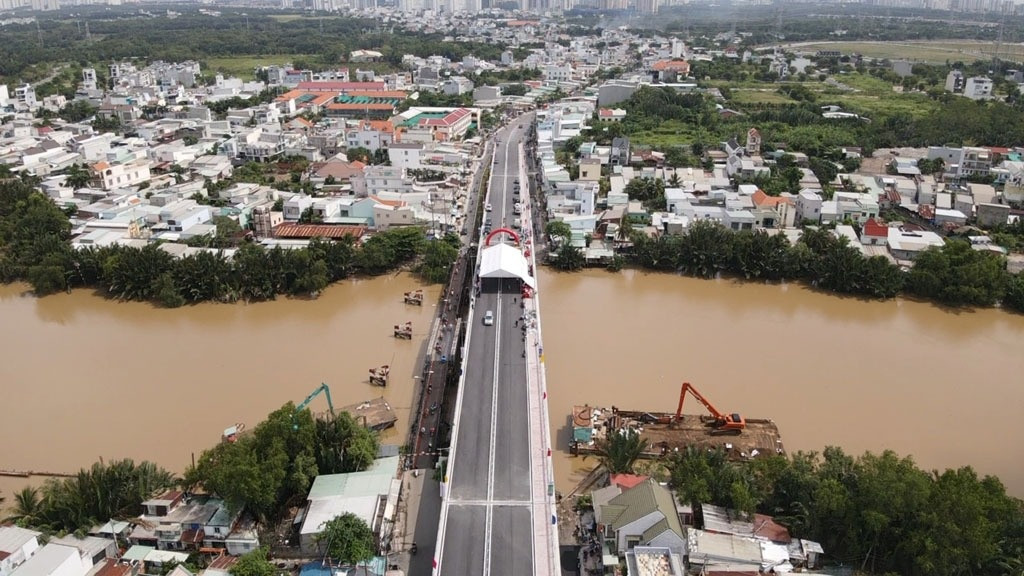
(489, 525)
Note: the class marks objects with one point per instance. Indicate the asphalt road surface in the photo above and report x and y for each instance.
(489, 526)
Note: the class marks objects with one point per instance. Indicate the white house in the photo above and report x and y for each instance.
(16, 546)
(405, 155)
(121, 175)
(55, 560)
(906, 244)
(808, 206)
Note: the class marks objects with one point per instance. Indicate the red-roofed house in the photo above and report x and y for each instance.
(452, 126)
(392, 213)
(669, 70)
(370, 134)
(874, 233)
(611, 114)
(773, 211)
(626, 481)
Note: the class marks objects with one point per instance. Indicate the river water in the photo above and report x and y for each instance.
(946, 387)
(83, 377)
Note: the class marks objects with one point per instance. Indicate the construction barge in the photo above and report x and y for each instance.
(667, 433)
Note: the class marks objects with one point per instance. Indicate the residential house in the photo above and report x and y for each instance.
(874, 233)
(978, 88)
(654, 561)
(370, 134)
(773, 211)
(265, 219)
(456, 86)
(389, 214)
(371, 495)
(95, 549)
(55, 560)
(808, 206)
(590, 170)
(16, 546)
(405, 155)
(975, 162)
(335, 171)
(991, 215)
(121, 175)
(295, 206)
(213, 166)
(611, 114)
(644, 515)
(669, 71)
(620, 151)
(906, 242)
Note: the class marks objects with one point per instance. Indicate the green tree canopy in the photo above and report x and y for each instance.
(254, 563)
(347, 539)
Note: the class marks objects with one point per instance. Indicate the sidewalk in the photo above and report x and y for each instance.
(545, 533)
(418, 512)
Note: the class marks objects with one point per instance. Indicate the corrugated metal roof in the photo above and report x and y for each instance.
(706, 547)
(367, 482)
(12, 538)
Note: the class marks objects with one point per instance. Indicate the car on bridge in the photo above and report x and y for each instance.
(489, 318)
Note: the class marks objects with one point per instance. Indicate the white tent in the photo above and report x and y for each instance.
(505, 261)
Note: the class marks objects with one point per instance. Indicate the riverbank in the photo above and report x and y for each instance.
(862, 375)
(99, 378)
(955, 275)
(225, 266)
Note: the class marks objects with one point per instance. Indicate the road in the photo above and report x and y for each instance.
(489, 523)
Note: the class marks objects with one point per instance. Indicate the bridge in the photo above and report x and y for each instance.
(498, 507)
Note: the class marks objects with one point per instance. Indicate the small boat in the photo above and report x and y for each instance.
(231, 434)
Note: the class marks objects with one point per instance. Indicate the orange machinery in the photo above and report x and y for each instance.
(719, 422)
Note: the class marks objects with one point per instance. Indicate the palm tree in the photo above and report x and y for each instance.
(674, 181)
(28, 507)
(620, 450)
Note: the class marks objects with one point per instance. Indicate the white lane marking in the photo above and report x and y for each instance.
(491, 458)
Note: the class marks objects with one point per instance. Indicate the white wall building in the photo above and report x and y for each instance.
(16, 546)
(55, 560)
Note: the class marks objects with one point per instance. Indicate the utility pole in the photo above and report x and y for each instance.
(39, 33)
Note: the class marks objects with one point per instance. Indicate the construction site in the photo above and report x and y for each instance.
(741, 438)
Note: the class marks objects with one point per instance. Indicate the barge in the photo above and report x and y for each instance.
(667, 433)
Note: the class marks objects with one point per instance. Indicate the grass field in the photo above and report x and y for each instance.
(760, 96)
(937, 51)
(244, 66)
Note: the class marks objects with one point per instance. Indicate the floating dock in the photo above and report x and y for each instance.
(665, 434)
(374, 414)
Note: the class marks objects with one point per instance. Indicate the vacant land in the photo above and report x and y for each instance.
(937, 51)
(244, 66)
(760, 96)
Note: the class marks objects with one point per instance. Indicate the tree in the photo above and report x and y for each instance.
(254, 563)
(78, 176)
(569, 258)
(359, 153)
(347, 540)
(438, 257)
(559, 229)
(28, 507)
(619, 451)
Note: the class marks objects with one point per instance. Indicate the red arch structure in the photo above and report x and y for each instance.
(497, 231)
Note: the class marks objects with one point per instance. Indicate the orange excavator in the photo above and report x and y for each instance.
(718, 422)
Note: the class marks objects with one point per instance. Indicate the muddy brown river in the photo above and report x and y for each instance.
(84, 378)
(946, 387)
